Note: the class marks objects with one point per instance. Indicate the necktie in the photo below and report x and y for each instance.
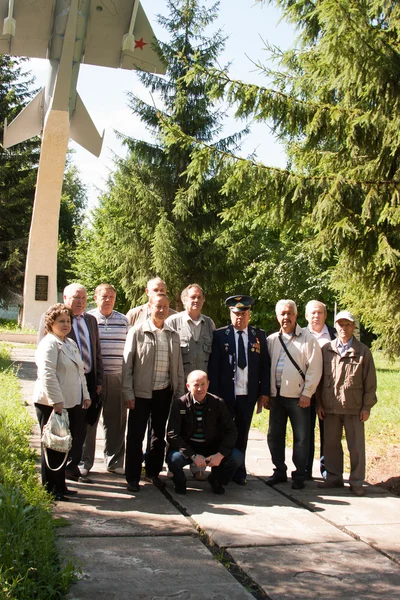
(83, 345)
(242, 362)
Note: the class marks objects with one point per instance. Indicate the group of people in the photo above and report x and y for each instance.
(194, 389)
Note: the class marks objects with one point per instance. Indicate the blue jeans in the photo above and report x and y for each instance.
(224, 472)
(281, 409)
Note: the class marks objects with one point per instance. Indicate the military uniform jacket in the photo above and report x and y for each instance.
(223, 363)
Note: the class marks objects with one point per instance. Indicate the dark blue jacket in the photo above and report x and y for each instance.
(222, 364)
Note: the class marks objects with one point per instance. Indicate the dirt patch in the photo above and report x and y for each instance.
(385, 470)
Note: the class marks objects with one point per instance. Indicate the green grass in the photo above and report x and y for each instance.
(29, 560)
(11, 326)
(382, 428)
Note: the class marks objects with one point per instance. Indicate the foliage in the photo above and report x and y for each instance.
(17, 181)
(25, 518)
(11, 326)
(150, 222)
(334, 102)
(72, 208)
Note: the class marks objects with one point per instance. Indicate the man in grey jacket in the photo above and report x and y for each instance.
(195, 330)
(346, 394)
(152, 376)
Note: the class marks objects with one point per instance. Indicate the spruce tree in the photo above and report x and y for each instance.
(152, 222)
(333, 101)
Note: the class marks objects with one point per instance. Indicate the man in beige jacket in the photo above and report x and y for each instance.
(296, 368)
(345, 397)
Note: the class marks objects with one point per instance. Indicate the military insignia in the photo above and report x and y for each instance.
(256, 347)
(183, 412)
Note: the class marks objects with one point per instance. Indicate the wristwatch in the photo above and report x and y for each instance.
(193, 456)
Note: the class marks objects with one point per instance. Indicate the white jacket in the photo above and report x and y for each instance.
(61, 377)
(306, 352)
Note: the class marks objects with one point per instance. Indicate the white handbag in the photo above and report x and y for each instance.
(57, 436)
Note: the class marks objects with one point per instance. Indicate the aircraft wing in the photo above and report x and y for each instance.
(105, 33)
(34, 24)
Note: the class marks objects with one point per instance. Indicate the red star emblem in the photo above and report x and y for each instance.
(140, 43)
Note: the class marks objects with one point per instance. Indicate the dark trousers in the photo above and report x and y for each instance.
(281, 409)
(77, 425)
(313, 418)
(157, 408)
(54, 481)
(224, 472)
(242, 411)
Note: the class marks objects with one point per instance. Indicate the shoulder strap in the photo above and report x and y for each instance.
(290, 357)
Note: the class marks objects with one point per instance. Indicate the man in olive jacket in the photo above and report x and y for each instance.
(201, 431)
(345, 396)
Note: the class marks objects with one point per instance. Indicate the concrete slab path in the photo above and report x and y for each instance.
(253, 542)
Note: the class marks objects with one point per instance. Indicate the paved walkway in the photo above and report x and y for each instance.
(253, 542)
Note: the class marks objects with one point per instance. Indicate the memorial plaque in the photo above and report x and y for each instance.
(42, 287)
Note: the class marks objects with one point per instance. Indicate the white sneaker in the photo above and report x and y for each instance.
(84, 472)
(117, 470)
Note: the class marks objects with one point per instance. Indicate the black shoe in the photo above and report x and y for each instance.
(60, 498)
(215, 486)
(68, 492)
(297, 484)
(83, 479)
(180, 489)
(156, 481)
(73, 475)
(240, 480)
(133, 486)
(274, 479)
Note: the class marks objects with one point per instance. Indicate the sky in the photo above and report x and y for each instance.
(104, 91)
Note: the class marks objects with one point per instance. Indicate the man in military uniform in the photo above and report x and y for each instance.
(239, 370)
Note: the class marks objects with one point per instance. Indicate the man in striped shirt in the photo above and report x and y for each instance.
(201, 431)
(113, 327)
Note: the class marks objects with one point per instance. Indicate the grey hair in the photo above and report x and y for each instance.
(290, 303)
(72, 287)
(316, 302)
(156, 279)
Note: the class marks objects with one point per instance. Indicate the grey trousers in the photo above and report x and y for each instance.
(333, 451)
(114, 423)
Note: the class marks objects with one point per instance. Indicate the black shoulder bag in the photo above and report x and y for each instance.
(290, 357)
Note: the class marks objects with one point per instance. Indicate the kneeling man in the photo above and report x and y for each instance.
(201, 431)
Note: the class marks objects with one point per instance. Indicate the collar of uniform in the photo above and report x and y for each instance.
(246, 330)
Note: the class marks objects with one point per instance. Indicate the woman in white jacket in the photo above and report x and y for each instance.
(60, 384)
